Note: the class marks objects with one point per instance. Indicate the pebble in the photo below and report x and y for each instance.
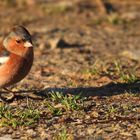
(31, 133)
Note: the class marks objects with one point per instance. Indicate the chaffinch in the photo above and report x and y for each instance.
(19, 44)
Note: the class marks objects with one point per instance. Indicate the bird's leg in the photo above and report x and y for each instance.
(29, 94)
(7, 89)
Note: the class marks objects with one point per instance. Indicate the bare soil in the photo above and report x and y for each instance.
(79, 49)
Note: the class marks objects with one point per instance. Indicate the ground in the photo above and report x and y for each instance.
(85, 76)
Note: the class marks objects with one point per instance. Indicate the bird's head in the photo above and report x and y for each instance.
(18, 41)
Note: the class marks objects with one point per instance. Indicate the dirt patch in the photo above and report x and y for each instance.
(89, 90)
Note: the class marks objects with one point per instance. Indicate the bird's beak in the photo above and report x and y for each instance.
(28, 44)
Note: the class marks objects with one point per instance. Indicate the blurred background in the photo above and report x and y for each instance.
(71, 36)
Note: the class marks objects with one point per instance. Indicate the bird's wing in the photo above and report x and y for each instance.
(3, 59)
(4, 55)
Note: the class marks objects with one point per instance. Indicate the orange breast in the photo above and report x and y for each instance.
(15, 69)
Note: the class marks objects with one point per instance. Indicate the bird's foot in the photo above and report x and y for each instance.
(7, 98)
(11, 95)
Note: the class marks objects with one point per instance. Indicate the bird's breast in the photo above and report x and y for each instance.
(15, 69)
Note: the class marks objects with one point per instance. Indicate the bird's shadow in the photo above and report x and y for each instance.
(105, 90)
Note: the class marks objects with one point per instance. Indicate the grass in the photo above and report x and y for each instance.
(61, 105)
(55, 111)
(115, 70)
(55, 105)
(112, 18)
(58, 8)
(15, 117)
(67, 102)
(118, 110)
(63, 135)
(10, 3)
(127, 76)
(115, 19)
(94, 70)
(119, 72)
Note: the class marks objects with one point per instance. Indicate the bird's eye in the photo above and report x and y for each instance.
(18, 41)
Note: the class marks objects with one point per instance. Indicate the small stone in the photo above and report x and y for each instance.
(10, 131)
(130, 15)
(126, 134)
(15, 135)
(138, 134)
(43, 46)
(3, 130)
(43, 134)
(54, 43)
(90, 131)
(94, 114)
(31, 133)
(109, 129)
(134, 55)
(6, 137)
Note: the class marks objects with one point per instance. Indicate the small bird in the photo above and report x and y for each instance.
(19, 44)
